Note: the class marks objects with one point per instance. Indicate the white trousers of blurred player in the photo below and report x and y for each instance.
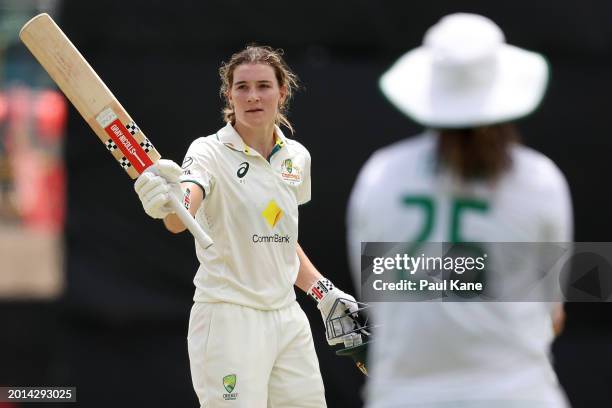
(249, 358)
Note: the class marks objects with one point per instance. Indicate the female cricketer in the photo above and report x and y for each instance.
(466, 179)
(250, 344)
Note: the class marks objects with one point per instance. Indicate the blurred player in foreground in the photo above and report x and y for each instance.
(466, 85)
(250, 343)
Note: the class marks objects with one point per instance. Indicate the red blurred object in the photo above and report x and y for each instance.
(19, 103)
(50, 112)
(40, 187)
(35, 129)
(3, 108)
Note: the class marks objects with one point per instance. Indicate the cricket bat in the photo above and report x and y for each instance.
(98, 106)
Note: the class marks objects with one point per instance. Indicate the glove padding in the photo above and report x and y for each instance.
(326, 294)
(155, 187)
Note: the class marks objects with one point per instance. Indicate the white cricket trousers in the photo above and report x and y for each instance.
(249, 358)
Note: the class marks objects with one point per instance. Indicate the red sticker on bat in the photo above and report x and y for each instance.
(130, 148)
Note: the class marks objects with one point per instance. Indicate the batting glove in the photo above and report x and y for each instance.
(325, 294)
(155, 187)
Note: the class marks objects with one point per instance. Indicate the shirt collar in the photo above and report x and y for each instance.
(280, 142)
(230, 138)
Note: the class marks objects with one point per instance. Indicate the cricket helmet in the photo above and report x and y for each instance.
(356, 337)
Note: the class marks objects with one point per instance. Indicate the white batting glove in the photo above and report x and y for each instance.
(325, 294)
(155, 187)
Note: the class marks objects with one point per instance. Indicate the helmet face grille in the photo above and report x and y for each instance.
(336, 327)
(355, 336)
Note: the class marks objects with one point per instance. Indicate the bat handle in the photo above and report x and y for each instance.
(190, 222)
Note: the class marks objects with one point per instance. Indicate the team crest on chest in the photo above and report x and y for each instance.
(290, 172)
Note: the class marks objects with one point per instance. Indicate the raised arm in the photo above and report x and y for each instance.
(192, 196)
(156, 188)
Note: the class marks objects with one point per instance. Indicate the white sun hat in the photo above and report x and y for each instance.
(465, 75)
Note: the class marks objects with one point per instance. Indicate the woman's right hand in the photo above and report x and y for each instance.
(154, 187)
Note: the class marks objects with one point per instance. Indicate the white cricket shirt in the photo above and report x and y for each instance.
(459, 353)
(250, 211)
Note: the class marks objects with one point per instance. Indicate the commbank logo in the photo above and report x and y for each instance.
(272, 213)
(243, 169)
(276, 238)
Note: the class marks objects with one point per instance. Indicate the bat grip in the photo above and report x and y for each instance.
(190, 222)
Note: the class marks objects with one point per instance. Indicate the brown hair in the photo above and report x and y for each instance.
(256, 54)
(477, 153)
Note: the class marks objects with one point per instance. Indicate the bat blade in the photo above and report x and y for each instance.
(88, 94)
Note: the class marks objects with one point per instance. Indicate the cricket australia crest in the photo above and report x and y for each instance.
(229, 383)
(290, 172)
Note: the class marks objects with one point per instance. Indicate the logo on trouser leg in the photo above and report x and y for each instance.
(229, 383)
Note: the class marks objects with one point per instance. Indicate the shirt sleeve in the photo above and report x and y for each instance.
(303, 193)
(353, 237)
(558, 223)
(559, 220)
(199, 166)
(357, 221)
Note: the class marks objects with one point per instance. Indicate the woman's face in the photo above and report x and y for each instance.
(255, 95)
